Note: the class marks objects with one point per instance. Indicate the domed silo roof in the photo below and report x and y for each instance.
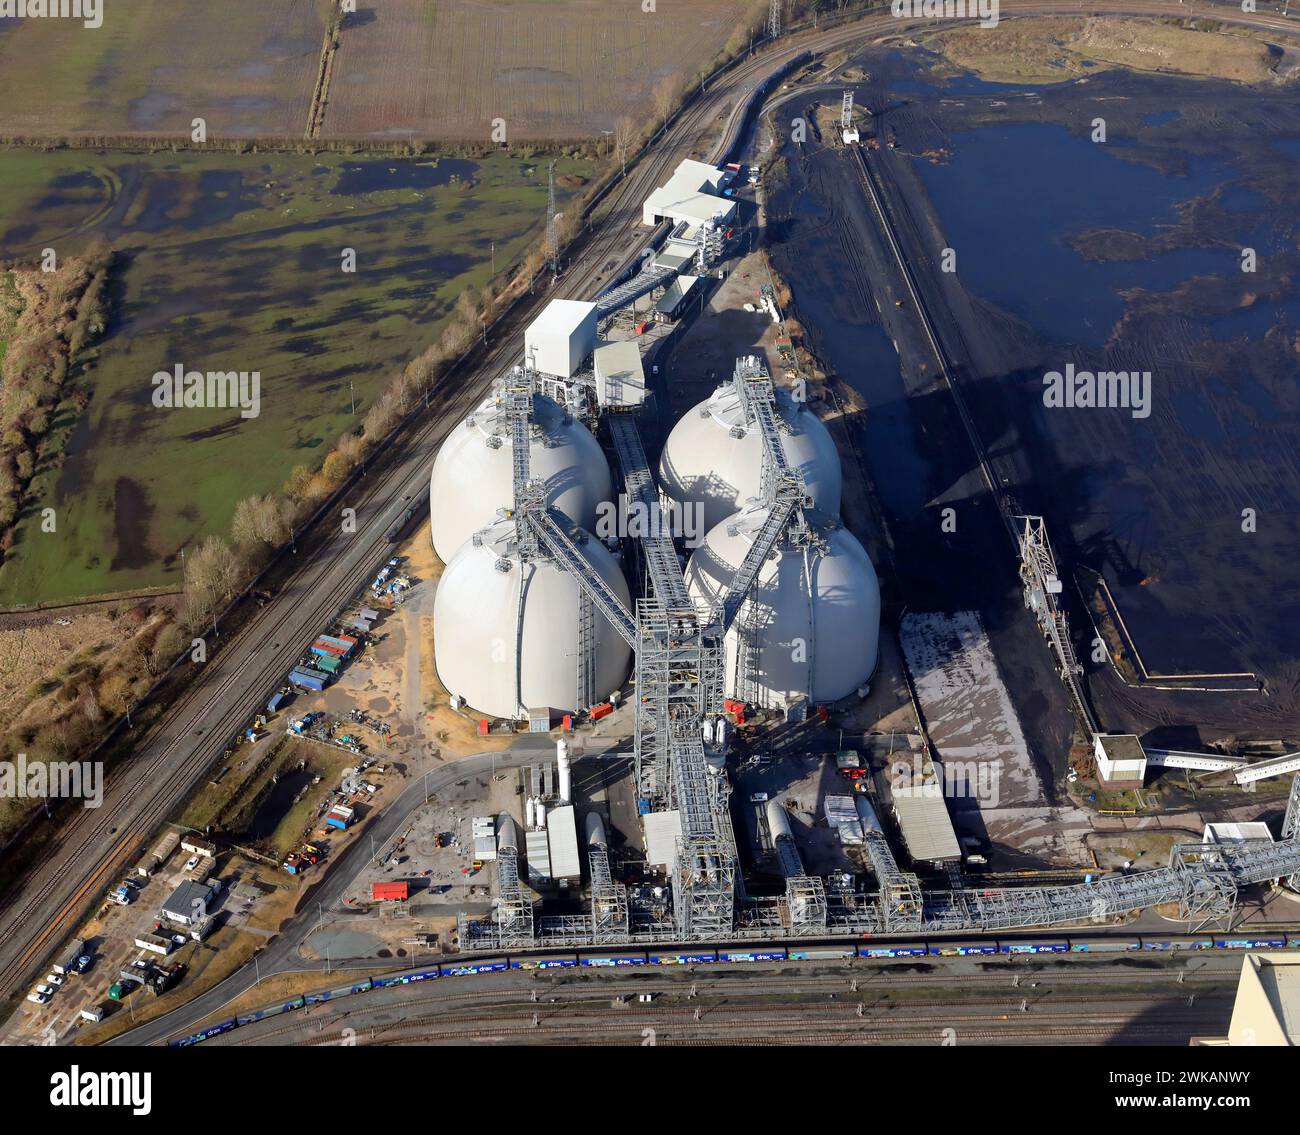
(473, 474)
(813, 617)
(714, 457)
(505, 632)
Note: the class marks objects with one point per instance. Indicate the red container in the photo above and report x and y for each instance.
(823, 714)
(731, 705)
(394, 892)
(483, 727)
(602, 710)
(566, 723)
(640, 328)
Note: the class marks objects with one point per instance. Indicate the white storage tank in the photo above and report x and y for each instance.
(813, 616)
(473, 474)
(714, 457)
(505, 632)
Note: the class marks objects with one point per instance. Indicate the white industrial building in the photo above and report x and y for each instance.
(473, 474)
(558, 340)
(693, 194)
(620, 375)
(1236, 833)
(562, 826)
(661, 831)
(1121, 763)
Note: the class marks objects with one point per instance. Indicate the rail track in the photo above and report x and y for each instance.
(172, 756)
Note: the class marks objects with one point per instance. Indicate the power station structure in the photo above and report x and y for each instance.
(779, 607)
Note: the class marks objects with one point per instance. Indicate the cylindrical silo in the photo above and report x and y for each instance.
(507, 833)
(810, 626)
(714, 457)
(473, 474)
(505, 631)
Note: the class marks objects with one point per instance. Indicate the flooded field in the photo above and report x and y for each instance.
(235, 262)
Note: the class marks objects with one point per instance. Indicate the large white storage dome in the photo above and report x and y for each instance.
(473, 474)
(505, 633)
(813, 616)
(705, 461)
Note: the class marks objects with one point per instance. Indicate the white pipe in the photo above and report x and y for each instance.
(566, 781)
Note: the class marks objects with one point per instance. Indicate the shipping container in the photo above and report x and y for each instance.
(390, 892)
(277, 700)
(602, 710)
(308, 679)
(330, 665)
(327, 650)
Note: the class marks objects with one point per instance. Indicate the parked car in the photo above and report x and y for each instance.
(191, 863)
(83, 964)
(46, 989)
(37, 997)
(53, 979)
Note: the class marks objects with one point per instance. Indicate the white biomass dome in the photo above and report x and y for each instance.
(473, 474)
(705, 462)
(815, 612)
(505, 652)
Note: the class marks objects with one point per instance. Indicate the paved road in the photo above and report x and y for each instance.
(281, 955)
(171, 760)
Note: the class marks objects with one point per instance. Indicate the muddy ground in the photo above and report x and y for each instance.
(1157, 509)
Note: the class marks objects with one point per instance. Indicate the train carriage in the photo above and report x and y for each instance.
(892, 950)
(1036, 946)
(1245, 942)
(565, 962)
(946, 949)
(768, 955)
(1104, 945)
(821, 953)
(683, 958)
(613, 958)
(466, 969)
(1176, 942)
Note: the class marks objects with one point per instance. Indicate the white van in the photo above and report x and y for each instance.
(92, 1014)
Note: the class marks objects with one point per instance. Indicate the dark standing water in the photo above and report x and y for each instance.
(402, 173)
(277, 803)
(1012, 196)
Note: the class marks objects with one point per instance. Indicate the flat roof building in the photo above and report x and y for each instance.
(661, 831)
(1121, 761)
(562, 830)
(620, 376)
(1236, 833)
(188, 903)
(693, 194)
(559, 339)
(680, 293)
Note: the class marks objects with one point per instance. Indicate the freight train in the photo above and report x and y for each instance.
(700, 955)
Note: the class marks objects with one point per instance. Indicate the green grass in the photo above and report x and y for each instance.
(232, 262)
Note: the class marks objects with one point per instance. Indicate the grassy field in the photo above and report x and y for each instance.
(246, 66)
(233, 262)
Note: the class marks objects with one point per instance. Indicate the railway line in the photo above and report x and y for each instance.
(767, 1009)
(172, 757)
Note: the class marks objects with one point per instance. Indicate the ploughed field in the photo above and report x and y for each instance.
(235, 263)
(247, 67)
(402, 68)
